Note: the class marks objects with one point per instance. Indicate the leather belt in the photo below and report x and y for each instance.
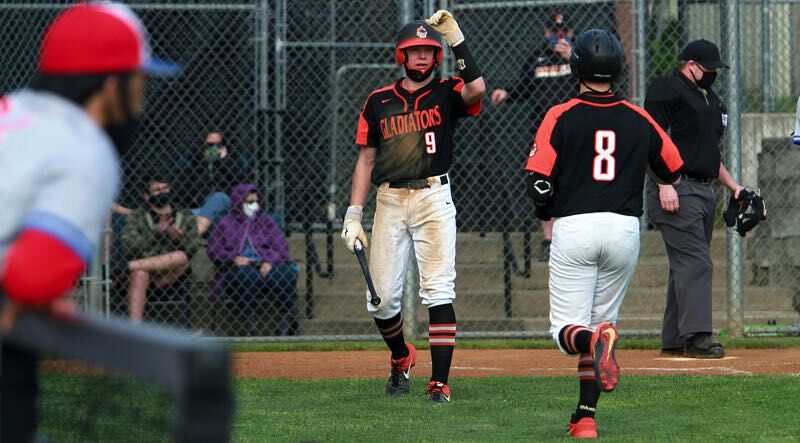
(419, 183)
(703, 180)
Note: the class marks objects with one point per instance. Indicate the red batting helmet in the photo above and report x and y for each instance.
(99, 38)
(416, 33)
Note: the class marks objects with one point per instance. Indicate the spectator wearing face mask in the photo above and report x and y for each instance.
(207, 172)
(252, 257)
(545, 80)
(158, 240)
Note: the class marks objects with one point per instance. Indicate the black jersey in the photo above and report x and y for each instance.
(546, 80)
(595, 149)
(695, 119)
(412, 131)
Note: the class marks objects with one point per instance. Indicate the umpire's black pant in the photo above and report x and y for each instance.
(18, 392)
(687, 236)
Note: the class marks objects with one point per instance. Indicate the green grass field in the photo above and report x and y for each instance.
(643, 408)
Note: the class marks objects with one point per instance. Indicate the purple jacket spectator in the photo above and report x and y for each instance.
(231, 234)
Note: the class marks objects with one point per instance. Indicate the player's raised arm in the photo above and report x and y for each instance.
(474, 87)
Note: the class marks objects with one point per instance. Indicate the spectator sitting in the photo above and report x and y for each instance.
(207, 172)
(252, 256)
(164, 237)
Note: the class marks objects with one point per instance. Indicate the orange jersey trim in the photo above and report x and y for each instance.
(542, 157)
(363, 127)
(416, 102)
(473, 109)
(397, 93)
(669, 152)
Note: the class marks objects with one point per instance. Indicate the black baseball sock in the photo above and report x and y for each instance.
(442, 338)
(575, 339)
(590, 390)
(392, 332)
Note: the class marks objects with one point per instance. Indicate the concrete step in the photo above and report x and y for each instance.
(534, 303)
(650, 272)
(474, 248)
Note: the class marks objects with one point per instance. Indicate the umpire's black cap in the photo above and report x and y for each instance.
(704, 53)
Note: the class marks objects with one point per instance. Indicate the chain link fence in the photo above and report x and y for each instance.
(270, 96)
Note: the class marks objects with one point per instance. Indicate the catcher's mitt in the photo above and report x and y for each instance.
(746, 211)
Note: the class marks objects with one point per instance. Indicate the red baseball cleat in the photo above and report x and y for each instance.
(604, 344)
(438, 392)
(583, 428)
(400, 375)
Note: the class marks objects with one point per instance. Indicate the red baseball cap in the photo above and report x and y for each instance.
(99, 38)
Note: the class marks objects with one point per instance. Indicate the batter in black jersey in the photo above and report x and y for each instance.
(595, 150)
(587, 168)
(413, 130)
(405, 136)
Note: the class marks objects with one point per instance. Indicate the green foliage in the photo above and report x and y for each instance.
(662, 51)
(643, 408)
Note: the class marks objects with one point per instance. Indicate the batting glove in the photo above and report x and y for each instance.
(444, 23)
(352, 229)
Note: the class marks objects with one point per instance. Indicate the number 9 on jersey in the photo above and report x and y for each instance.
(430, 142)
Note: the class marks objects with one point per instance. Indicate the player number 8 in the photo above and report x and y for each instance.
(430, 142)
(605, 142)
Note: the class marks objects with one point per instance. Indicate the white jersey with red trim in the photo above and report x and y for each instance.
(59, 171)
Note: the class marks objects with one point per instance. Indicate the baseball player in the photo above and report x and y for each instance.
(405, 131)
(59, 172)
(586, 169)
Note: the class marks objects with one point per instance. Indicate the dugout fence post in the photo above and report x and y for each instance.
(730, 13)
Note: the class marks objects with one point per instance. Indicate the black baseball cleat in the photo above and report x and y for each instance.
(703, 345)
(672, 352)
(399, 378)
(438, 392)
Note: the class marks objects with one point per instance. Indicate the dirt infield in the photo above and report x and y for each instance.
(503, 362)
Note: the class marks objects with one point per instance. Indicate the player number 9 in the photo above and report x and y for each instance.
(605, 165)
(430, 142)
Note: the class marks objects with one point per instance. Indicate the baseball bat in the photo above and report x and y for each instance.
(362, 261)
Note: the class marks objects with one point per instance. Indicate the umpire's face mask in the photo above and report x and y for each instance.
(122, 132)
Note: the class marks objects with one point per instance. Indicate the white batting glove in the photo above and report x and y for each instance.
(352, 229)
(444, 23)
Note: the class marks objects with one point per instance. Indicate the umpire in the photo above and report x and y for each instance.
(685, 106)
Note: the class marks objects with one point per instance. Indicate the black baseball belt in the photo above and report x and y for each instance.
(418, 183)
(703, 180)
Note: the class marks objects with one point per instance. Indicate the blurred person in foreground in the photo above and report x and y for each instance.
(60, 140)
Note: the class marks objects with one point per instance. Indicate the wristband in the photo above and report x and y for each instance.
(354, 212)
(466, 65)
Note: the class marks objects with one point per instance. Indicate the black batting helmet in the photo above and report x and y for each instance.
(596, 56)
(416, 33)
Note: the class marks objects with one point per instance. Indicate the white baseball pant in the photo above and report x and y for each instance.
(592, 259)
(418, 220)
